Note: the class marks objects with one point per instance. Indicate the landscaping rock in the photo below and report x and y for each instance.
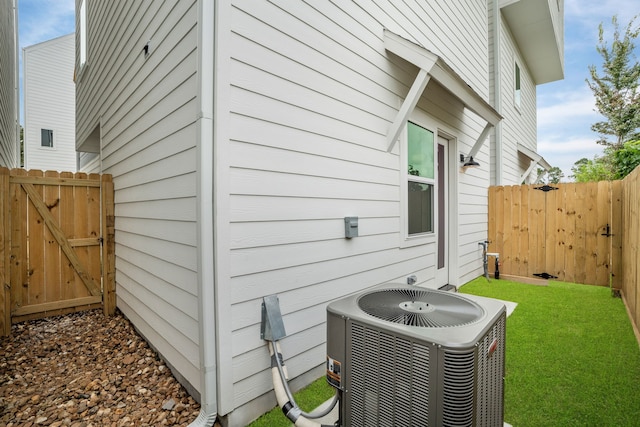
(85, 369)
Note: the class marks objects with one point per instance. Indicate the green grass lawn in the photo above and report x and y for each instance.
(308, 399)
(572, 358)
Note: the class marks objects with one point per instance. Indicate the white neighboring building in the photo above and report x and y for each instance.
(49, 105)
(9, 101)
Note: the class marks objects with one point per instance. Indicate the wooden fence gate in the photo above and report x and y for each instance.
(56, 244)
(566, 232)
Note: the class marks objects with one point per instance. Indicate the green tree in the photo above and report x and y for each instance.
(598, 169)
(553, 176)
(616, 89)
(626, 159)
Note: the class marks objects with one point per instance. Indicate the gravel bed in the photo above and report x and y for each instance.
(85, 369)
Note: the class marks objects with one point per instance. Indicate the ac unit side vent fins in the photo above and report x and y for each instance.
(490, 375)
(389, 380)
(458, 386)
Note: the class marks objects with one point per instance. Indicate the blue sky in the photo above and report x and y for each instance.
(565, 108)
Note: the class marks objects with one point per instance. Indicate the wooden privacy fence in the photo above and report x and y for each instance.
(630, 244)
(584, 233)
(566, 232)
(56, 244)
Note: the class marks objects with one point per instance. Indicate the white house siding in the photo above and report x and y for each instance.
(519, 125)
(141, 110)
(89, 162)
(8, 84)
(49, 103)
(305, 95)
(312, 95)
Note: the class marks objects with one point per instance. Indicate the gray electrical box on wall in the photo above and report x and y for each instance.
(350, 227)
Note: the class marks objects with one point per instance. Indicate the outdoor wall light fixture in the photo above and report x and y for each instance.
(468, 162)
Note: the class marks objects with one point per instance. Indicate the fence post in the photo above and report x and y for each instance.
(618, 232)
(108, 246)
(5, 252)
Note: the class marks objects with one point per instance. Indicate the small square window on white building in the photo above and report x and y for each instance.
(46, 138)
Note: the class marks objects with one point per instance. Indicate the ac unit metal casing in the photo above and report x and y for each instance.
(447, 370)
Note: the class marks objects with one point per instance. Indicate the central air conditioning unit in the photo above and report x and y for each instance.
(403, 355)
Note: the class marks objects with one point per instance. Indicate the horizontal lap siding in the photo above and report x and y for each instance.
(89, 162)
(146, 109)
(456, 31)
(313, 93)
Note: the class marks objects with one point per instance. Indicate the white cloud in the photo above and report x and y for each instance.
(591, 13)
(563, 153)
(564, 128)
(570, 146)
(563, 108)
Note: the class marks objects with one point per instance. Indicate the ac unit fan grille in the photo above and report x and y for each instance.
(420, 307)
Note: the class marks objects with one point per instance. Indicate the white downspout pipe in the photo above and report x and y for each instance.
(16, 82)
(497, 92)
(207, 307)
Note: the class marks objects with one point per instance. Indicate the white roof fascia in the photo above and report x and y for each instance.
(435, 67)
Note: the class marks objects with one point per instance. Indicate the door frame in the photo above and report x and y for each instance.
(451, 212)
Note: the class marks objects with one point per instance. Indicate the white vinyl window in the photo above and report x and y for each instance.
(517, 95)
(420, 176)
(46, 138)
(83, 32)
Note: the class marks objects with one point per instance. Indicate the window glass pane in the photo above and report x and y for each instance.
(518, 91)
(420, 151)
(46, 138)
(420, 207)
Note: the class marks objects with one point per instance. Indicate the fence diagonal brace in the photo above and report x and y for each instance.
(57, 233)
